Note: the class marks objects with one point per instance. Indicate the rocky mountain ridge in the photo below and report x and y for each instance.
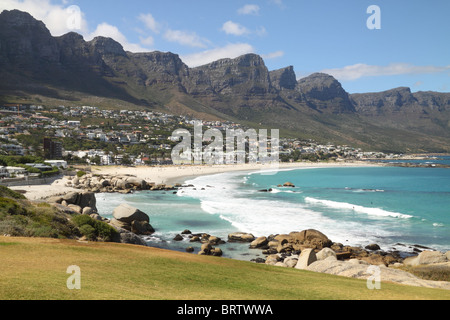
(33, 62)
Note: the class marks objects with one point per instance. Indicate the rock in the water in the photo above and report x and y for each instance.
(178, 237)
(142, 228)
(373, 247)
(241, 237)
(128, 214)
(289, 184)
(260, 242)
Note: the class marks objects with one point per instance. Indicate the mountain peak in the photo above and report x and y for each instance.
(284, 78)
(323, 92)
(105, 46)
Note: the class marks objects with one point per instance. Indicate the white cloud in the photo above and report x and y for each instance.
(186, 38)
(273, 55)
(147, 41)
(106, 30)
(150, 22)
(61, 20)
(252, 9)
(278, 3)
(361, 70)
(234, 28)
(229, 51)
(58, 19)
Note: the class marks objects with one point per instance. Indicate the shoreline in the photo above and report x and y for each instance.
(172, 174)
(274, 255)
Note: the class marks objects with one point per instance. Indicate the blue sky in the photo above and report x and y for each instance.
(411, 49)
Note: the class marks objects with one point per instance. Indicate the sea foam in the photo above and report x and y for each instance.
(356, 208)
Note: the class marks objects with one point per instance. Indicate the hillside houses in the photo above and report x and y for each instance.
(106, 137)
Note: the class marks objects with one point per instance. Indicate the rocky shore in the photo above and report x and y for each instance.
(100, 183)
(308, 249)
(312, 250)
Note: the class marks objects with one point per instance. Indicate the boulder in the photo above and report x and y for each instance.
(216, 252)
(136, 182)
(128, 214)
(205, 249)
(311, 238)
(373, 247)
(131, 238)
(76, 208)
(307, 257)
(289, 184)
(87, 199)
(119, 224)
(431, 257)
(178, 237)
(260, 242)
(309, 235)
(241, 237)
(71, 197)
(87, 211)
(374, 259)
(142, 228)
(272, 259)
(291, 262)
(325, 253)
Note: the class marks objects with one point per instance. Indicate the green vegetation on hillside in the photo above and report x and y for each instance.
(22, 218)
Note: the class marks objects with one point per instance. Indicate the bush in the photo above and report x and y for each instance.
(89, 232)
(94, 229)
(6, 192)
(80, 173)
(11, 207)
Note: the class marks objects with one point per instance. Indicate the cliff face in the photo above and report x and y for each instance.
(325, 93)
(25, 41)
(400, 100)
(245, 75)
(241, 89)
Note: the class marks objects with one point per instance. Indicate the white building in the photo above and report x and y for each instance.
(57, 163)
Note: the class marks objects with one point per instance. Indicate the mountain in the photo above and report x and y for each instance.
(36, 67)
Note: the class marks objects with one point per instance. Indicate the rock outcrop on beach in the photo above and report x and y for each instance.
(77, 202)
(114, 183)
(312, 250)
(132, 219)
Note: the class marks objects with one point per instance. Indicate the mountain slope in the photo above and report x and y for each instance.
(36, 67)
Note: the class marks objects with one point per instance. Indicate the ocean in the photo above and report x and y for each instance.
(392, 206)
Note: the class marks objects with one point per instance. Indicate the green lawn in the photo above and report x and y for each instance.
(35, 269)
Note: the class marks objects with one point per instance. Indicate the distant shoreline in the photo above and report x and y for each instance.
(172, 174)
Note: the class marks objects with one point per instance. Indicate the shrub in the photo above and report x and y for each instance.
(8, 193)
(11, 207)
(80, 173)
(94, 229)
(89, 232)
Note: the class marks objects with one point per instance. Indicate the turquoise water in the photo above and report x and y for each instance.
(394, 207)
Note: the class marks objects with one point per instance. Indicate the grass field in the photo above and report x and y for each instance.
(36, 269)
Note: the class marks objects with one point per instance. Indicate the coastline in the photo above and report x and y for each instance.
(278, 256)
(170, 175)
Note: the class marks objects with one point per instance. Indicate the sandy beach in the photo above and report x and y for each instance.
(173, 174)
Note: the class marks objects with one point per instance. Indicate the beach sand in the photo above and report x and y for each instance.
(173, 174)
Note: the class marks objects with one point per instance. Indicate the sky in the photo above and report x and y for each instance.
(367, 45)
